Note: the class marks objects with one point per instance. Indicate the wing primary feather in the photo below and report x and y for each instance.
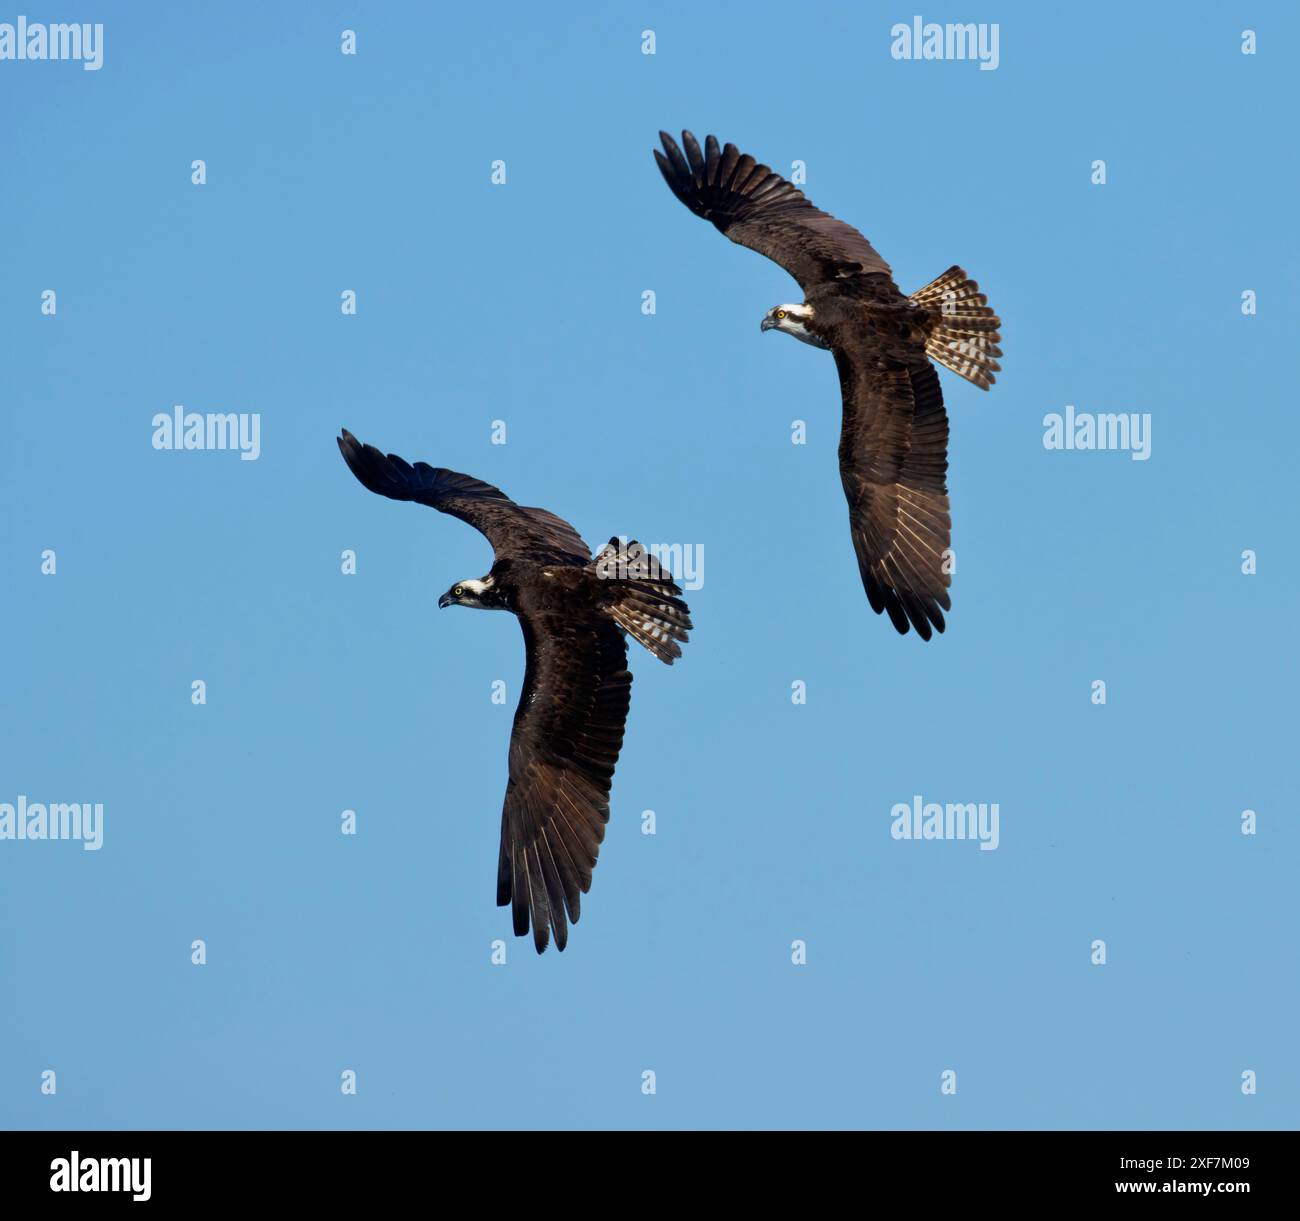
(758, 208)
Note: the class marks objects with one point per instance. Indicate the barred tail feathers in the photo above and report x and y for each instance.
(641, 596)
(965, 332)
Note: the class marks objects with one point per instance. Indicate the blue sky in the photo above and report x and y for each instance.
(522, 302)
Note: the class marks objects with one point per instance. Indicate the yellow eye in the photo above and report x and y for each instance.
(780, 313)
(456, 593)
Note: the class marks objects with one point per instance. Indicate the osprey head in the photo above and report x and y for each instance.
(793, 320)
(477, 594)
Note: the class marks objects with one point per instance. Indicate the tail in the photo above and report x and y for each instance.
(964, 331)
(639, 594)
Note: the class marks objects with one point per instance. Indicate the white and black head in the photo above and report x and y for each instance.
(480, 594)
(793, 320)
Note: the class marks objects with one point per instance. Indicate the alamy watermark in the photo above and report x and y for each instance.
(215, 430)
(1110, 430)
(640, 562)
(955, 40)
(932, 820)
(58, 820)
(122, 1174)
(36, 42)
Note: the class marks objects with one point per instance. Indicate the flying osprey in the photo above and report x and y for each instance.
(894, 436)
(575, 612)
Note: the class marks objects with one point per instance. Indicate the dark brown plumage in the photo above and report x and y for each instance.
(568, 728)
(894, 437)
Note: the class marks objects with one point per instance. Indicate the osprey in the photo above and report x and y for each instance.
(575, 612)
(894, 436)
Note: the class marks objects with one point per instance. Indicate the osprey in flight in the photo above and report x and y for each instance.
(575, 612)
(894, 437)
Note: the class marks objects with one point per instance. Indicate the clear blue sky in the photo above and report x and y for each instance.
(522, 303)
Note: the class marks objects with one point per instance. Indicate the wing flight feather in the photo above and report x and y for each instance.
(756, 207)
(515, 532)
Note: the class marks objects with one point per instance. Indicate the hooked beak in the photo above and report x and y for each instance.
(445, 601)
(768, 324)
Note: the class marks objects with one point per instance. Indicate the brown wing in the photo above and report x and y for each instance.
(514, 531)
(567, 735)
(758, 208)
(893, 464)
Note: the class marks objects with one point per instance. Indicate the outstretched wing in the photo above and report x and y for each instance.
(514, 531)
(567, 735)
(758, 208)
(894, 464)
